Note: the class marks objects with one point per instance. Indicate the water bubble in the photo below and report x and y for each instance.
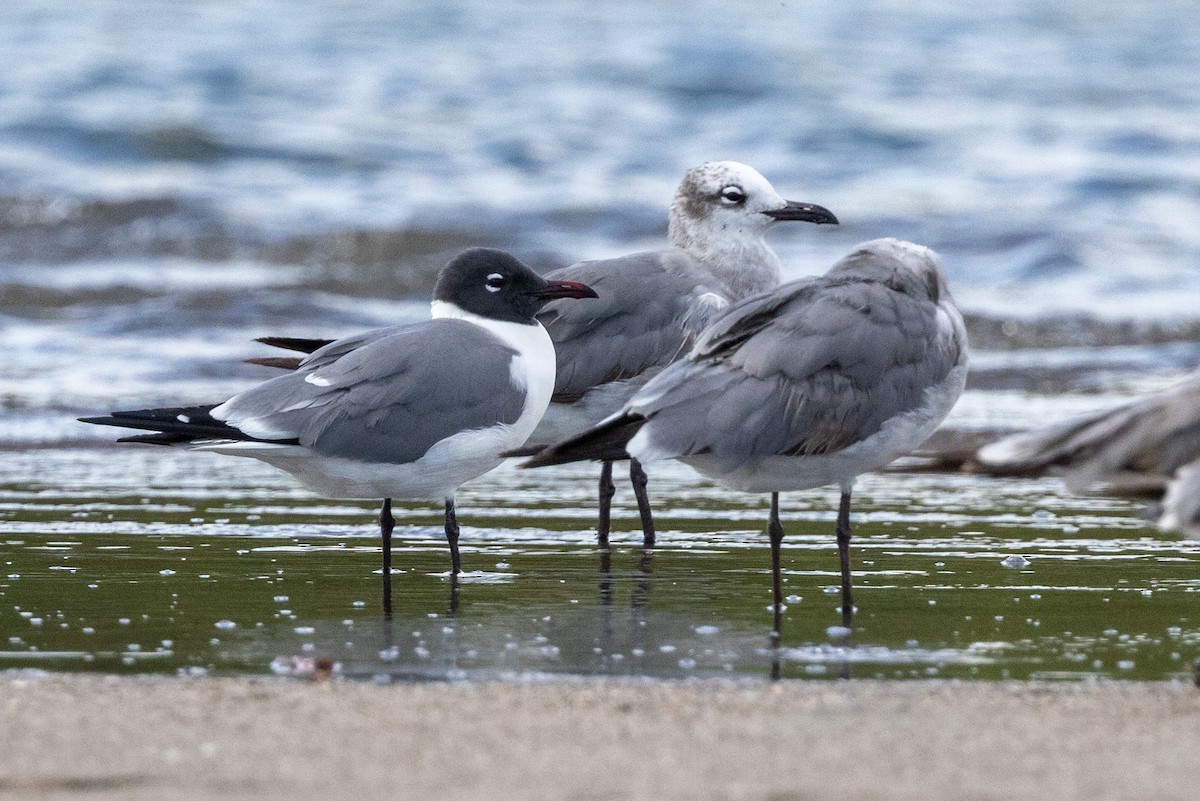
(837, 632)
(35, 621)
(793, 599)
(832, 589)
(1125, 664)
(225, 625)
(166, 572)
(1014, 561)
(706, 631)
(358, 604)
(502, 565)
(687, 663)
(304, 629)
(423, 653)
(124, 621)
(390, 654)
(279, 599)
(667, 649)
(1042, 514)
(88, 630)
(1147, 593)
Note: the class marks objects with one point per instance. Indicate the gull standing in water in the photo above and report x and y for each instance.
(411, 411)
(653, 305)
(811, 384)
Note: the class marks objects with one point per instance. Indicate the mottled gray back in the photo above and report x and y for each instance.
(811, 368)
(389, 395)
(645, 317)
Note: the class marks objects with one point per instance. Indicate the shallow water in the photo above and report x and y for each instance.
(136, 560)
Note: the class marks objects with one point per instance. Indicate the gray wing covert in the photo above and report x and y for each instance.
(810, 369)
(651, 307)
(391, 399)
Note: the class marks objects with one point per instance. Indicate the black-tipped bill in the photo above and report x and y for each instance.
(565, 289)
(804, 212)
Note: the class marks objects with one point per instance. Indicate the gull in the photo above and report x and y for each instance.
(410, 411)
(653, 305)
(1141, 447)
(811, 384)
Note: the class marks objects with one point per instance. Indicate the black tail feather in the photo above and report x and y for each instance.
(175, 425)
(605, 442)
(294, 343)
(282, 362)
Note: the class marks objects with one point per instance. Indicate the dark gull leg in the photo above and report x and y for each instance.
(843, 542)
(607, 490)
(775, 532)
(452, 538)
(638, 478)
(386, 524)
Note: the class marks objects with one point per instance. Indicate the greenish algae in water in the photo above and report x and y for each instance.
(141, 561)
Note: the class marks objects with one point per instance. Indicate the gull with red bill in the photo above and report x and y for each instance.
(410, 411)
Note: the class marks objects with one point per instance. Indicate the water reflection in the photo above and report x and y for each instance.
(144, 566)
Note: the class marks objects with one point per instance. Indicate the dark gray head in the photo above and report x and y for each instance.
(494, 284)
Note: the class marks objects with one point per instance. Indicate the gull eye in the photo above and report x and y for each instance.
(733, 196)
(496, 282)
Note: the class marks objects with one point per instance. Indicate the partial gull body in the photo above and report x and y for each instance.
(1145, 446)
(653, 305)
(811, 384)
(411, 411)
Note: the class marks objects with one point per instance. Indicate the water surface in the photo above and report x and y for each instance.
(135, 560)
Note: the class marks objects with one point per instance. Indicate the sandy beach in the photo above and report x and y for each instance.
(88, 736)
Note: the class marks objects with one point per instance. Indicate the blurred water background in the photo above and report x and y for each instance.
(178, 178)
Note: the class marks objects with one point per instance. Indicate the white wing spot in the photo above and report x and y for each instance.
(183, 418)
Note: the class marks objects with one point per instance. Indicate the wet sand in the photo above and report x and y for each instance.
(85, 736)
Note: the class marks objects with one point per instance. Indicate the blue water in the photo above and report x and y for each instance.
(176, 178)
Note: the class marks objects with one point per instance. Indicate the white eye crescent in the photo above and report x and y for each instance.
(733, 196)
(496, 282)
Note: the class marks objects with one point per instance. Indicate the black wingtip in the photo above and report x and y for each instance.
(280, 362)
(300, 344)
(605, 443)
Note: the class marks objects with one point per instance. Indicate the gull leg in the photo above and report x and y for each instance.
(843, 542)
(638, 478)
(452, 538)
(775, 532)
(386, 524)
(607, 490)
